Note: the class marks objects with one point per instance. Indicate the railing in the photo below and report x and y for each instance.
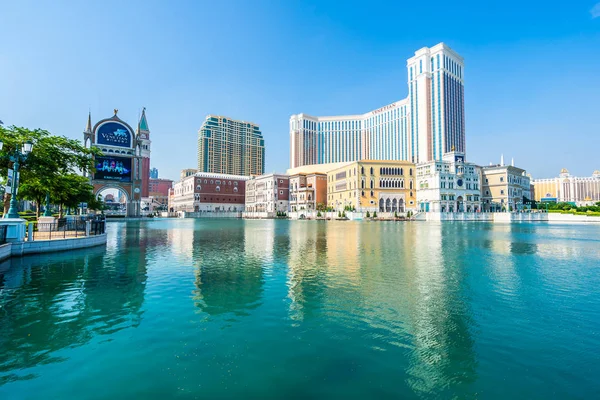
(3, 229)
(66, 229)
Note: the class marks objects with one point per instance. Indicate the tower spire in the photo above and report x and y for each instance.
(88, 128)
(143, 123)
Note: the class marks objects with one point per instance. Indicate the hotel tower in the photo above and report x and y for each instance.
(422, 127)
(228, 146)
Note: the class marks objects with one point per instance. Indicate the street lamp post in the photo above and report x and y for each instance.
(19, 156)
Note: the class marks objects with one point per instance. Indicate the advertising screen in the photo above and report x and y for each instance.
(113, 134)
(113, 169)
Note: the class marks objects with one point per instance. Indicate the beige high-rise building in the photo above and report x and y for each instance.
(228, 146)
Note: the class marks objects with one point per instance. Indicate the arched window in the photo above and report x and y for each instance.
(362, 193)
(401, 171)
(205, 181)
(218, 188)
(380, 171)
(371, 170)
(372, 193)
(402, 184)
(235, 190)
(235, 183)
(410, 172)
(372, 183)
(212, 182)
(362, 184)
(411, 185)
(199, 187)
(362, 170)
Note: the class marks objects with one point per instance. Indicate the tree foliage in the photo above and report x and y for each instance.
(54, 166)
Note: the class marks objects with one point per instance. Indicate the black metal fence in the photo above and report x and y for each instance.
(67, 228)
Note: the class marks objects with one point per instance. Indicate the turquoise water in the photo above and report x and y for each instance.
(303, 309)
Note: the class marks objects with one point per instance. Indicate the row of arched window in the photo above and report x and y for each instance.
(387, 171)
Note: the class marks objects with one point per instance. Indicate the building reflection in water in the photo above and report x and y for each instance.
(227, 279)
(403, 280)
(307, 264)
(59, 301)
(443, 359)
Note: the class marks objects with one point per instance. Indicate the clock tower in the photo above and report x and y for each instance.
(143, 136)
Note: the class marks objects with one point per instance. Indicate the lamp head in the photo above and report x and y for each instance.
(27, 147)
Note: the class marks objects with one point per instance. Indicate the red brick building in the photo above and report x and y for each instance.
(159, 190)
(208, 192)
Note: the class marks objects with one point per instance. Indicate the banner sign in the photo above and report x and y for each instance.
(113, 134)
(113, 169)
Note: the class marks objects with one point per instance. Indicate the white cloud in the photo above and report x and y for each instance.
(595, 11)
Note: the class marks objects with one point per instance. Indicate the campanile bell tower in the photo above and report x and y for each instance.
(143, 136)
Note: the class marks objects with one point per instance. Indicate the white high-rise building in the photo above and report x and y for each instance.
(420, 128)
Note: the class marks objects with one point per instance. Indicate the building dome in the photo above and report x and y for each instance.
(596, 173)
(564, 171)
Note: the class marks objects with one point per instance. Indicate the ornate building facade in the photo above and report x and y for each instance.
(569, 189)
(449, 185)
(372, 185)
(125, 161)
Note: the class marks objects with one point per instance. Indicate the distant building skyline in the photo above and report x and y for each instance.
(312, 57)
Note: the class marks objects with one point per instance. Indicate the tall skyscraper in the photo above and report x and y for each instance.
(227, 146)
(422, 127)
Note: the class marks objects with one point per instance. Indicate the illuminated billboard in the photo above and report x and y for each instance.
(116, 169)
(113, 134)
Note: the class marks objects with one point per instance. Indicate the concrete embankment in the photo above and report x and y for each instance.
(17, 249)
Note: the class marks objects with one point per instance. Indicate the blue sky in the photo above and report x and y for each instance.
(531, 68)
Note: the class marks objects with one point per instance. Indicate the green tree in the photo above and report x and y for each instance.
(368, 214)
(52, 158)
(374, 214)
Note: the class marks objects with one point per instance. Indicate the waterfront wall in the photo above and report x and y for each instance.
(49, 246)
(500, 217)
(184, 214)
(572, 219)
(17, 249)
(5, 251)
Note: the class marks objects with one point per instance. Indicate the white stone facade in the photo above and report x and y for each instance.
(449, 185)
(267, 193)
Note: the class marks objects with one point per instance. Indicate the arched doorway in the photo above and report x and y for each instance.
(381, 205)
(401, 205)
(115, 200)
(459, 204)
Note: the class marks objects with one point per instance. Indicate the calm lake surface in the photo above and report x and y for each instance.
(303, 309)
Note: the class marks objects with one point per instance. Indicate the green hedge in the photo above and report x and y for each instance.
(573, 212)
